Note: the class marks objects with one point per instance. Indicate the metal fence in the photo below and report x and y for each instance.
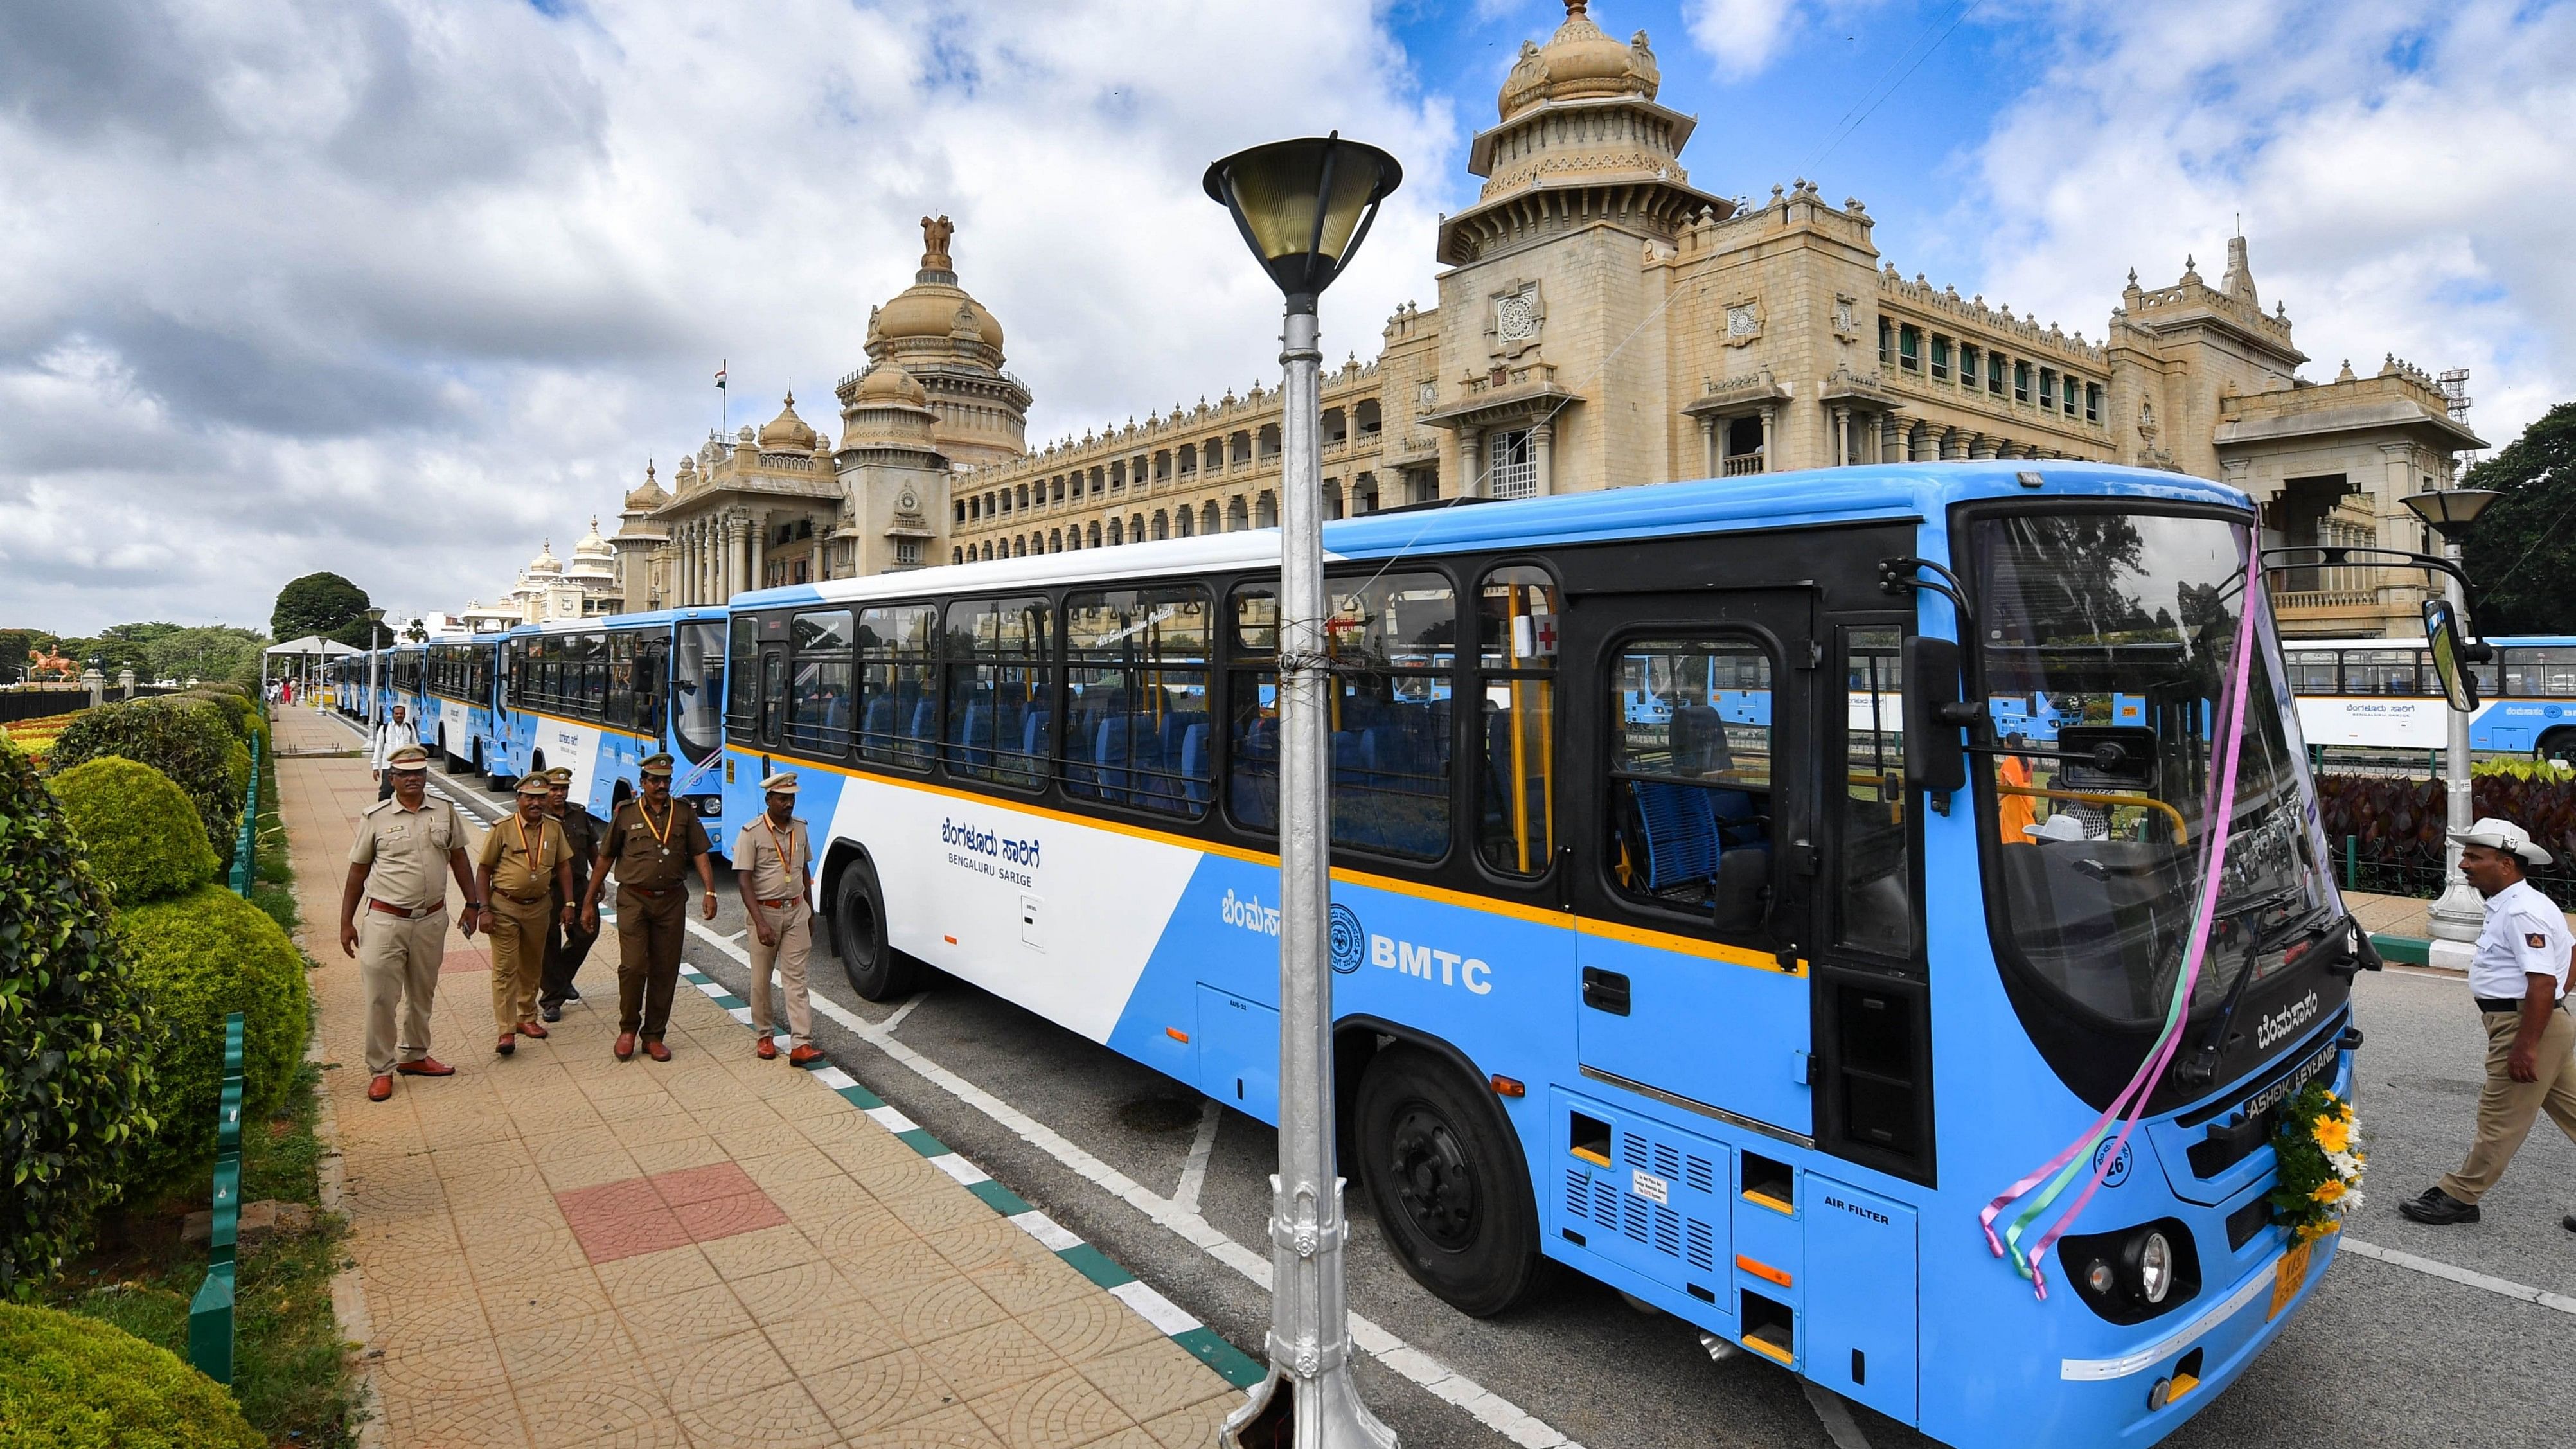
(210, 1315)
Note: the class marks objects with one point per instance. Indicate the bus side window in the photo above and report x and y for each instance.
(1690, 777)
(1877, 874)
(1252, 696)
(1516, 622)
(742, 663)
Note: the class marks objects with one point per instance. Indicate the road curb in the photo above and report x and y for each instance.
(2406, 951)
(1168, 1318)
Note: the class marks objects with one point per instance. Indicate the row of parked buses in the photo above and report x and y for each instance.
(1665, 953)
(595, 696)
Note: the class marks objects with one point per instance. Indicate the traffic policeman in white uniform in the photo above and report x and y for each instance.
(2519, 977)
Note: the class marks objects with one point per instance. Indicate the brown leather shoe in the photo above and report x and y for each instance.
(506, 1045)
(766, 1048)
(657, 1051)
(805, 1056)
(380, 1088)
(530, 1028)
(425, 1067)
(625, 1045)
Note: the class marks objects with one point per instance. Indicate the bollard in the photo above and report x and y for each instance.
(210, 1313)
(2351, 862)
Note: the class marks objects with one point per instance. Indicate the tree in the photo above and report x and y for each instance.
(2521, 558)
(324, 604)
(215, 651)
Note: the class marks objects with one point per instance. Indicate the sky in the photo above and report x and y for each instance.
(399, 288)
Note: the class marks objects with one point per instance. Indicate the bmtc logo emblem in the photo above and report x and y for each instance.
(1350, 943)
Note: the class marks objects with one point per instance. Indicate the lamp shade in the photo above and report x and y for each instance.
(2450, 511)
(1304, 206)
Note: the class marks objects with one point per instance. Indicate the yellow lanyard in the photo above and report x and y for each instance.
(786, 872)
(529, 852)
(670, 818)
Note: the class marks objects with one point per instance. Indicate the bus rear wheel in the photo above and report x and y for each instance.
(876, 970)
(1436, 1159)
(2557, 745)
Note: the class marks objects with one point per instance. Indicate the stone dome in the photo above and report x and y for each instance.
(592, 545)
(887, 383)
(1577, 63)
(649, 494)
(545, 562)
(787, 433)
(934, 306)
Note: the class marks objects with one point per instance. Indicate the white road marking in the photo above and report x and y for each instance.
(2433, 1268)
(1428, 1373)
(903, 1011)
(1194, 1172)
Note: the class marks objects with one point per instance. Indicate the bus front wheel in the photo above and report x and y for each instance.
(2557, 745)
(876, 970)
(1437, 1160)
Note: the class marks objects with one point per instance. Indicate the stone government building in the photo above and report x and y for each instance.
(1601, 324)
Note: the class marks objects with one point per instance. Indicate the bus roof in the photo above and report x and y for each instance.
(1714, 505)
(644, 620)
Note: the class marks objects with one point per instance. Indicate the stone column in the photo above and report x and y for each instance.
(759, 530)
(1542, 440)
(1471, 476)
(1890, 448)
(1708, 444)
(1980, 446)
(1770, 437)
(1838, 436)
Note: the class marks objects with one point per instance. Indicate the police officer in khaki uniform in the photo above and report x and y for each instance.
(772, 864)
(651, 842)
(567, 942)
(525, 871)
(393, 871)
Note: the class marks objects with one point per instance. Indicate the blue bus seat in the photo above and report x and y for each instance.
(1682, 843)
(1193, 762)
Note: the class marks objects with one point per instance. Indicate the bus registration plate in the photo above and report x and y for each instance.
(2289, 1275)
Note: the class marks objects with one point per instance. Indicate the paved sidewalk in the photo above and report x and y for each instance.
(561, 1249)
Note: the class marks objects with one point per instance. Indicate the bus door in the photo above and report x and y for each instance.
(1695, 866)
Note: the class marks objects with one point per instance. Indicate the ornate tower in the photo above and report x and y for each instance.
(944, 340)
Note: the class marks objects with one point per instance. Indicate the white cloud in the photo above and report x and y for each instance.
(396, 287)
(1742, 35)
(2400, 173)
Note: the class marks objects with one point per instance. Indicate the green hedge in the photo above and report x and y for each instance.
(140, 833)
(190, 740)
(196, 957)
(68, 1382)
(72, 1039)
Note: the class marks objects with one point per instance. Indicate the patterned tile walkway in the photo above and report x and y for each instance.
(561, 1249)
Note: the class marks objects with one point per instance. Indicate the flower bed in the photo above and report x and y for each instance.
(35, 737)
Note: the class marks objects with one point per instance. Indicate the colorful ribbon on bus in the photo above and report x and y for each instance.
(2061, 1170)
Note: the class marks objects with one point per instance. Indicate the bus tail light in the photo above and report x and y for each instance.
(1508, 1087)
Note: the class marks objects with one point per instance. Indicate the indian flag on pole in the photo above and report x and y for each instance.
(720, 377)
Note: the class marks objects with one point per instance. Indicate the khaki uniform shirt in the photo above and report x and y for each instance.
(514, 874)
(652, 859)
(757, 852)
(406, 850)
(581, 835)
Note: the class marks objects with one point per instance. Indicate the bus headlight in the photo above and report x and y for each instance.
(2132, 1274)
(2151, 1271)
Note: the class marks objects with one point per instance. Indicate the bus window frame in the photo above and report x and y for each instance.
(1468, 814)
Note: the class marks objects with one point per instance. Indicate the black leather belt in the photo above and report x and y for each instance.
(522, 900)
(649, 892)
(2512, 1005)
(408, 913)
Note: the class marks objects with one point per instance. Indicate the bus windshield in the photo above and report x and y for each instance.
(2107, 656)
(697, 689)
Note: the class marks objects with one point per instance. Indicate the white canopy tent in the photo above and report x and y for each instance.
(305, 651)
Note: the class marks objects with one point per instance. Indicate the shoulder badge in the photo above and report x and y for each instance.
(2535, 940)
(377, 808)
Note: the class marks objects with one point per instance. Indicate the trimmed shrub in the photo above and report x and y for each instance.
(196, 957)
(78, 1383)
(189, 740)
(141, 835)
(72, 1040)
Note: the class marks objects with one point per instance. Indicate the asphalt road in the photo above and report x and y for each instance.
(1142, 1166)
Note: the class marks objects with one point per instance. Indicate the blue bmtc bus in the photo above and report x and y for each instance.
(598, 695)
(461, 714)
(2381, 694)
(1722, 1006)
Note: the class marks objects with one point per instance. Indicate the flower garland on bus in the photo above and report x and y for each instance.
(2320, 1169)
(2130, 1106)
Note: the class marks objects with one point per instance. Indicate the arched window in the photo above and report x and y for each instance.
(1024, 495)
(1162, 525)
(1237, 518)
(1020, 547)
(1185, 522)
(1265, 511)
(957, 555)
(989, 510)
(1095, 536)
(1117, 532)
(1332, 498)
(1207, 517)
(1055, 540)
(1135, 528)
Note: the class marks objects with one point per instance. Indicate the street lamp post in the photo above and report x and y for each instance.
(1303, 207)
(375, 696)
(2461, 912)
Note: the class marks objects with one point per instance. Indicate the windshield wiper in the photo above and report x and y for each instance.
(2204, 1064)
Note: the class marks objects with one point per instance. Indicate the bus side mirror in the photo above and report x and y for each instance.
(1936, 757)
(2444, 646)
